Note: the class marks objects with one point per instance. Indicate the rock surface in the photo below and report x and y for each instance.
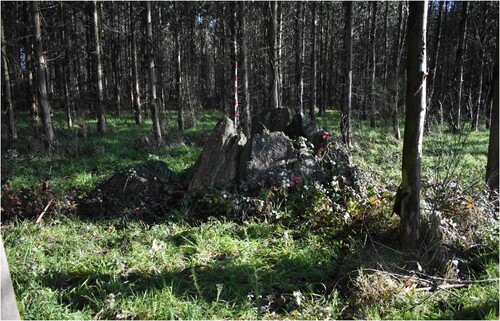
(218, 164)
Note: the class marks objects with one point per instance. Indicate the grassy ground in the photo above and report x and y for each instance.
(70, 267)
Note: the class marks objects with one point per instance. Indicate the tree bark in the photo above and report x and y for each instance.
(244, 71)
(407, 203)
(152, 77)
(492, 168)
(273, 56)
(48, 131)
(299, 49)
(459, 78)
(178, 73)
(373, 63)
(6, 92)
(434, 60)
(397, 62)
(314, 64)
(66, 68)
(135, 69)
(345, 120)
(100, 113)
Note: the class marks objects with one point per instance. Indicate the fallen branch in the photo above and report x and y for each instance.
(442, 287)
(39, 219)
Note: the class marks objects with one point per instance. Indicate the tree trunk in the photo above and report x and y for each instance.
(459, 78)
(299, 47)
(100, 113)
(373, 38)
(492, 170)
(66, 68)
(244, 71)
(178, 73)
(407, 203)
(345, 120)
(434, 60)
(6, 92)
(314, 64)
(273, 56)
(48, 131)
(152, 77)
(135, 69)
(397, 63)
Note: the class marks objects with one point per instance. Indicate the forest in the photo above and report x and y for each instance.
(250, 159)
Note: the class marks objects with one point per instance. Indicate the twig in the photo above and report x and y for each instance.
(39, 219)
(442, 287)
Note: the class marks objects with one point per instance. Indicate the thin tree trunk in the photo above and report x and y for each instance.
(244, 71)
(492, 168)
(299, 38)
(6, 93)
(135, 70)
(178, 74)
(345, 120)
(48, 131)
(397, 63)
(456, 124)
(407, 202)
(100, 113)
(314, 64)
(434, 60)
(273, 56)
(373, 37)
(66, 68)
(152, 77)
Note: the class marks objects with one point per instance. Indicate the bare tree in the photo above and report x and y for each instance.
(6, 92)
(345, 120)
(407, 203)
(244, 70)
(314, 64)
(135, 69)
(101, 116)
(48, 131)
(459, 76)
(492, 168)
(273, 55)
(152, 77)
(299, 54)
(373, 39)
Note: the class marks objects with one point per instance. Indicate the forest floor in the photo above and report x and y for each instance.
(274, 266)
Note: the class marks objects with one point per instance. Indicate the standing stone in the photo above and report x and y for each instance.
(217, 165)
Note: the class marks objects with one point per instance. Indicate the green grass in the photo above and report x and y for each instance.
(73, 268)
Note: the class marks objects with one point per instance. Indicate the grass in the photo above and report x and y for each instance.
(74, 268)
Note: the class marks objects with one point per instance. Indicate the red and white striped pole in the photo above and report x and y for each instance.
(236, 115)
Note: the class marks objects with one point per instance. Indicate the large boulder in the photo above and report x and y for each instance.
(273, 120)
(217, 166)
(269, 160)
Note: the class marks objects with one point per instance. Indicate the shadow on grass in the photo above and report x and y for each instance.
(236, 284)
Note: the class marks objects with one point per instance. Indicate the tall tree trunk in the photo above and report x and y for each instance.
(492, 168)
(397, 62)
(152, 77)
(244, 71)
(178, 73)
(299, 47)
(6, 92)
(273, 56)
(314, 63)
(66, 68)
(135, 69)
(459, 78)
(407, 202)
(434, 60)
(48, 131)
(345, 120)
(373, 63)
(100, 113)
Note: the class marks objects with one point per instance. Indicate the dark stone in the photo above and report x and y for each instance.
(270, 158)
(217, 166)
(299, 126)
(150, 187)
(273, 120)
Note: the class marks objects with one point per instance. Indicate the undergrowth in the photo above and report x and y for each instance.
(321, 253)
